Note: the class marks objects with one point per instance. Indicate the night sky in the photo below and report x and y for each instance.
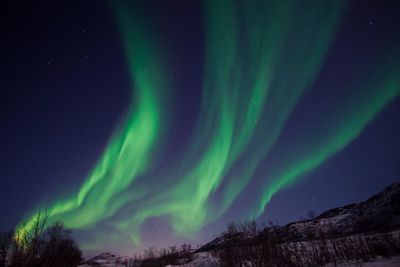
(141, 123)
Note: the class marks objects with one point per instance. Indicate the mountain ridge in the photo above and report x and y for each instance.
(380, 212)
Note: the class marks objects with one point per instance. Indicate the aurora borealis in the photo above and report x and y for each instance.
(246, 137)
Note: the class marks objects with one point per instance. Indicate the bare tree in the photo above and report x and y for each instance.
(5, 245)
(60, 250)
(42, 246)
(29, 242)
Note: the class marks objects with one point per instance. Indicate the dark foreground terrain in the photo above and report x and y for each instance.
(365, 233)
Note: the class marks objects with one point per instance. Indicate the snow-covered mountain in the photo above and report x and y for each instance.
(105, 260)
(380, 212)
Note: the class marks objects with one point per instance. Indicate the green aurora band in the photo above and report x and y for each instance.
(130, 149)
(260, 58)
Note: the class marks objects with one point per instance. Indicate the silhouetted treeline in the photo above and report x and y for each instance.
(245, 245)
(42, 246)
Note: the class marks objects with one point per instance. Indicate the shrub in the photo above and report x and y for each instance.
(40, 247)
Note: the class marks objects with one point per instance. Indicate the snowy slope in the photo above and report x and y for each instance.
(379, 213)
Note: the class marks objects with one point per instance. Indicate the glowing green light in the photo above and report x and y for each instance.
(260, 57)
